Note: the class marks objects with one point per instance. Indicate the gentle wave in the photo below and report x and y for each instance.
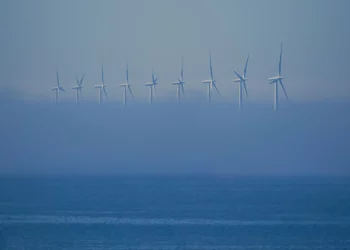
(226, 247)
(196, 247)
(48, 219)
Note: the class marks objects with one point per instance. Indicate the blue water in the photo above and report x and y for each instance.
(163, 212)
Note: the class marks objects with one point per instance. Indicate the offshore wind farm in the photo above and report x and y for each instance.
(180, 91)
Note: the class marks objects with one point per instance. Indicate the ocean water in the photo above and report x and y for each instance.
(174, 212)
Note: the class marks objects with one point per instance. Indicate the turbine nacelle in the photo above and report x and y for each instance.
(125, 85)
(100, 86)
(275, 79)
(178, 83)
(239, 80)
(208, 81)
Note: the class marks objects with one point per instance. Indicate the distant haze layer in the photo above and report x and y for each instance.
(304, 139)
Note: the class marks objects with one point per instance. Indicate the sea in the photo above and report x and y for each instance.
(174, 212)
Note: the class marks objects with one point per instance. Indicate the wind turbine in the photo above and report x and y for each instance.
(152, 88)
(126, 86)
(101, 88)
(57, 89)
(211, 83)
(78, 88)
(278, 80)
(242, 81)
(180, 83)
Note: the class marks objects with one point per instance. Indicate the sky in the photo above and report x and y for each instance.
(308, 136)
(39, 36)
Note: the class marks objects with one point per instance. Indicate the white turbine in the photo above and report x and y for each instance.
(101, 88)
(180, 83)
(57, 89)
(126, 87)
(278, 80)
(242, 81)
(211, 83)
(78, 88)
(152, 88)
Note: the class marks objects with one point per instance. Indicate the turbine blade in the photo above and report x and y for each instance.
(57, 78)
(132, 95)
(182, 69)
(77, 80)
(211, 68)
(183, 89)
(280, 63)
(285, 93)
(104, 90)
(213, 84)
(245, 68)
(245, 87)
(154, 89)
(127, 72)
(238, 75)
(103, 80)
(62, 89)
(81, 80)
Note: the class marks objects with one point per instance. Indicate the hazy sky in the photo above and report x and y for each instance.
(75, 36)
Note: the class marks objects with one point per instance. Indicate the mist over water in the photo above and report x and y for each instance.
(193, 138)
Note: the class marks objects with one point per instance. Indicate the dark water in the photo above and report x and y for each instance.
(128, 212)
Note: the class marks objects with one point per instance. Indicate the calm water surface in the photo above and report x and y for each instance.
(162, 212)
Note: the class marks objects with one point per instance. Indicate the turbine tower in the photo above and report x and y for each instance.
(211, 82)
(126, 87)
(278, 80)
(180, 83)
(152, 88)
(101, 88)
(57, 89)
(242, 81)
(78, 88)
